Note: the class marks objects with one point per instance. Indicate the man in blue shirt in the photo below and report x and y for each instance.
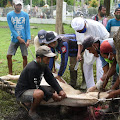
(66, 45)
(18, 22)
(114, 24)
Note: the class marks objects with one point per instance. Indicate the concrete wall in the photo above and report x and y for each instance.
(40, 21)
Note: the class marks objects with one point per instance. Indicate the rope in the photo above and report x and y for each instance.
(31, 53)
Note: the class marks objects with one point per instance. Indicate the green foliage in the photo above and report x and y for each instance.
(93, 3)
(77, 3)
(69, 2)
(92, 10)
(102, 2)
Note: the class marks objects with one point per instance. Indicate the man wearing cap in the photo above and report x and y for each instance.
(39, 40)
(83, 28)
(106, 50)
(18, 22)
(114, 24)
(28, 89)
(66, 45)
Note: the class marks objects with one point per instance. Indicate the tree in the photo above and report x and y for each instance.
(107, 4)
(59, 25)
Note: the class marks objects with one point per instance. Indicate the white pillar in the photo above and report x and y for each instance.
(64, 11)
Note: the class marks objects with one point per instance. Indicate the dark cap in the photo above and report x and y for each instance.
(117, 9)
(50, 37)
(88, 41)
(45, 50)
(107, 46)
(42, 36)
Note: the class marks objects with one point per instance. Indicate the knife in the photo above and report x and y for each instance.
(77, 64)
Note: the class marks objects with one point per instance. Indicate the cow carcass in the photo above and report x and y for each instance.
(74, 97)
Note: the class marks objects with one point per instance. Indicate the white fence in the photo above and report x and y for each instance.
(47, 15)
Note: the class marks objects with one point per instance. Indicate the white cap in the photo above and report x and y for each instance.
(18, 2)
(78, 23)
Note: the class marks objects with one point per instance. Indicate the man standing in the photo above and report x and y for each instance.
(18, 22)
(114, 24)
(100, 17)
(83, 28)
(28, 88)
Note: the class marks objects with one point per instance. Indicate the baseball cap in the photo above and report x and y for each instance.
(18, 2)
(88, 41)
(51, 37)
(78, 23)
(107, 46)
(42, 36)
(117, 9)
(45, 50)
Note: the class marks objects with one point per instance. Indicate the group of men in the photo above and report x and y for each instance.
(90, 43)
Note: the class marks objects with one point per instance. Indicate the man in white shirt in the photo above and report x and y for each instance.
(83, 28)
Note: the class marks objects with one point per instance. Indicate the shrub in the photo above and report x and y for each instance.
(93, 3)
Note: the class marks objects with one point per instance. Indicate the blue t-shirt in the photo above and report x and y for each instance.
(19, 25)
(112, 26)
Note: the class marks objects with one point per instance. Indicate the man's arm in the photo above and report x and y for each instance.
(108, 27)
(64, 59)
(109, 73)
(53, 82)
(27, 27)
(116, 84)
(11, 26)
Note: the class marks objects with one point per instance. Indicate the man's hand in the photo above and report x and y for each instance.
(62, 94)
(27, 44)
(92, 89)
(59, 97)
(99, 84)
(79, 57)
(56, 97)
(60, 79)
(20, 39)
(111, 94)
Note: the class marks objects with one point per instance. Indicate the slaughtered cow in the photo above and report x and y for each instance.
(74, 97)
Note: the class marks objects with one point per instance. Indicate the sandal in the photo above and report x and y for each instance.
(25, 106)
(35, 116)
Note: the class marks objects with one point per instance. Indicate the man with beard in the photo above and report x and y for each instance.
(114, 24)
(28, 89)
(100, 17)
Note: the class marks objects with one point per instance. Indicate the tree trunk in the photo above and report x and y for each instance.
(51, 2)
(59, 26)
(98, 2)
(116, 39)
(107, 4)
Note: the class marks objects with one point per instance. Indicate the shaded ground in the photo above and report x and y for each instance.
(10, 110)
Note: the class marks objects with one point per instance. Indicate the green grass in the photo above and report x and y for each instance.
(17, 59)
